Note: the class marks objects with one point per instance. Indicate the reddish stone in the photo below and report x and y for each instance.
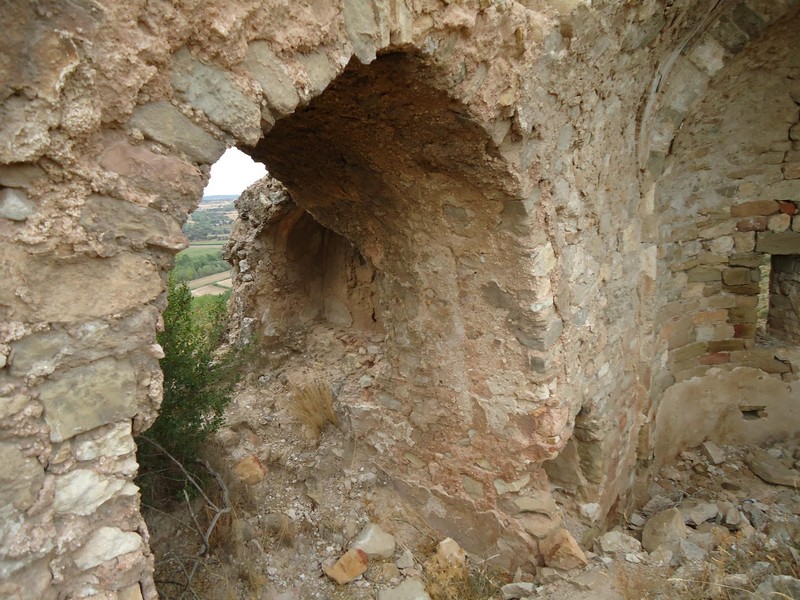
(715, 358)
(752, 224)
(744, 330)
(754, 208)
(351, 564)
(787, 208)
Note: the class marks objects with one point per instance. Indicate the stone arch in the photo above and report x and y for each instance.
(396, 166)
(725, 198)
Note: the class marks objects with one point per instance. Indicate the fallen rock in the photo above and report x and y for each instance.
(772, 470)
(779, 587)
(689, 552)
(520, 589)
(699, 513)
(713, 452)
(410, 589)
(616, 542)
(375, 542)
(449, 552)
(561, 551)
(663, 529)
(406, 560)
(250, 470)
(351, 564)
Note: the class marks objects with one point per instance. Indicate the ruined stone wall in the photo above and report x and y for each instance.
(503, 166)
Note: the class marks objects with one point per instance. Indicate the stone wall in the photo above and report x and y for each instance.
(545, 190)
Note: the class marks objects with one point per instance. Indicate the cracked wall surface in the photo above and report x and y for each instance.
(552, 210)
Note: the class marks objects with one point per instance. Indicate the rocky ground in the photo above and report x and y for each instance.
(309, 510)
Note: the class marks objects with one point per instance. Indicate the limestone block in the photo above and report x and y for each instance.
(780, 222)
(109, 218)
(791, 171)
(215, 93)
(375, 541)
(132, 592)
(167, 125)
(349, 566)
(361, 27)
(24, 129)
(81, 491)
(21, 477)
(787, 242)
(708, 55)
(105, 544)
(736, 276)
(319, 70)
(87, 397)
(14, 205)
(114, 441)
(271, 74)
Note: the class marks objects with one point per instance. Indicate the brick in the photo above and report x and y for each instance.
(743, 315)
(725, 346)
(715, 358)
(754, 208)
(752, 224)
(703, 273)
(689, 352)
(744, 330)
(736, 276)
(791, 171)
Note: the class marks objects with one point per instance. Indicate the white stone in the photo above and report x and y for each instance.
(714, 453)
(117, 441)
(14, 205)
(375, 541)
(105, 544)
(519, 589)
(82, 491)
(616, 542)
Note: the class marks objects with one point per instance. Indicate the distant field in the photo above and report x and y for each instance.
(200, 260)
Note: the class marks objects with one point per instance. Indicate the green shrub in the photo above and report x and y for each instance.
(197, 386)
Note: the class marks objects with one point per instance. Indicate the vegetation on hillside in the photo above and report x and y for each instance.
(199, 261)
(209, 224)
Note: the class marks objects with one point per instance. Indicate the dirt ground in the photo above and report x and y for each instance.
(298, 501)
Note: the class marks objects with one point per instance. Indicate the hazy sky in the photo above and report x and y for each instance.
(232, 173)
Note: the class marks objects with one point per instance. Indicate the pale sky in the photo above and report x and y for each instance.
(232, 173)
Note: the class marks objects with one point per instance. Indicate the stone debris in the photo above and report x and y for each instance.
(352, 563)
(779, 587)
(406, 560)
(696, 514)
(411, 589)
(664, 529)
(616, 542)
(375, 542)
(560, 551)
(713, 452)
(449, 552)
(520, 589)
(772, 469)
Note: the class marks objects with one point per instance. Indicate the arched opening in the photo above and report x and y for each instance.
(727, 202)
(395, 218)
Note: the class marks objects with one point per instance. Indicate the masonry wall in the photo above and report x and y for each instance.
(566, 177)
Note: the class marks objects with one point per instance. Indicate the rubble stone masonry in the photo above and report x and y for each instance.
(554, 211)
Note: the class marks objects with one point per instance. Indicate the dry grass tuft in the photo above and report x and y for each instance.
(312, 406)
(446, 580)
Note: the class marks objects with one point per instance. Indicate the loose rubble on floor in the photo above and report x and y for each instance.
(314, 518)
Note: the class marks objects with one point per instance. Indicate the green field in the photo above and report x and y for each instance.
(199, 260)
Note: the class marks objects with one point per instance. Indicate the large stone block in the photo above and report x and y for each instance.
(216, 93)
(166, 124)
(270, 72)
(87, 397)
(109, 219)
(114, 441)
(787, 242)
